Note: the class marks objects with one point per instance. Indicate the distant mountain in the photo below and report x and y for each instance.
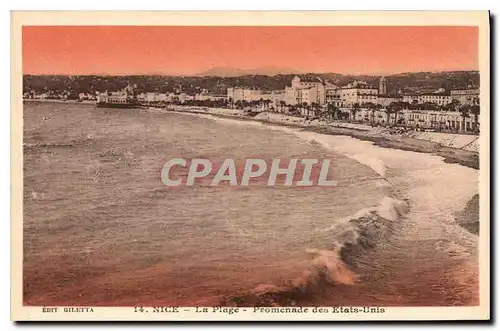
(237, 72)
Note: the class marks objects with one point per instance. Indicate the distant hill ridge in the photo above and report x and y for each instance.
(405, 82)
(235, 72)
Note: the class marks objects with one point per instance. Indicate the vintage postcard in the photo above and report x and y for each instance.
(250, 166)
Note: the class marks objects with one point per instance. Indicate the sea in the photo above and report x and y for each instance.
(101, 229)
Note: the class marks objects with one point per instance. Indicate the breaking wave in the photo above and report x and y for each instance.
(351, 237)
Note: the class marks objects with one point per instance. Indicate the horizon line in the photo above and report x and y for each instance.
(230, 76)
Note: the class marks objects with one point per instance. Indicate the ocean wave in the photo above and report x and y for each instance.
(351, 237)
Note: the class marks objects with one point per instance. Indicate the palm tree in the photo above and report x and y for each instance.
(260, 103)
(331, 111)
(338, 113)
(372, 114)
(315, 109)
(413, 105)
(429, 106)
(475, 111)
(372, 107)
(388, 112)
(282, 105)
(354, 110)
(396, 108)
(464, 112)
(305, 106)
(268, 103)
(454, 105)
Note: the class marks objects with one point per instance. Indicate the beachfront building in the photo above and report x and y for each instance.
(423, 119)
(306, 90)
(307, 95)
(334, 96)
(278, 100)
(373, 116)
(86, 96)
(183, 97)
(449, 120)
(315, 85)
(386, 100)
(121, 96)
(266, 96)
(358, 92)
(40, 96)
(466, 96)
(112, 97)
(204, 96)
(152, 97)
(243, 94)
(440, 99)
(410, 98)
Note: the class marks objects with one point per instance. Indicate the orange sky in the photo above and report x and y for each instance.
(189, 49)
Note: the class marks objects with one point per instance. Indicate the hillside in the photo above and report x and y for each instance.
(416, 82)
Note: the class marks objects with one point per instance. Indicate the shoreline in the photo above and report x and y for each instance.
(84, 102)
(459, 156)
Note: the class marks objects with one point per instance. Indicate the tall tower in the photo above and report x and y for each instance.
(382, 86)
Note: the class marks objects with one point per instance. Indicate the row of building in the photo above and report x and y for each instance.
(306, 90)
(156, 97)
(152, 97)
(442, 120)
(311, 90)
(123, 95)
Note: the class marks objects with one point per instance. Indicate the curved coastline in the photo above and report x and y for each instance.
(468, 158)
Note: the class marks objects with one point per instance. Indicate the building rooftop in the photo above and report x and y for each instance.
(465, 89)
(436, 94)
(359, 85)
(310, 79)
(390, 96)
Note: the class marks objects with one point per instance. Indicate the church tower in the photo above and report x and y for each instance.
(382, 86)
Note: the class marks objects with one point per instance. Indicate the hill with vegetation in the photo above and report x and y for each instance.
(404, 82)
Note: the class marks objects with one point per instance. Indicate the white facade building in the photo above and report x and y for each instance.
(466, 96)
